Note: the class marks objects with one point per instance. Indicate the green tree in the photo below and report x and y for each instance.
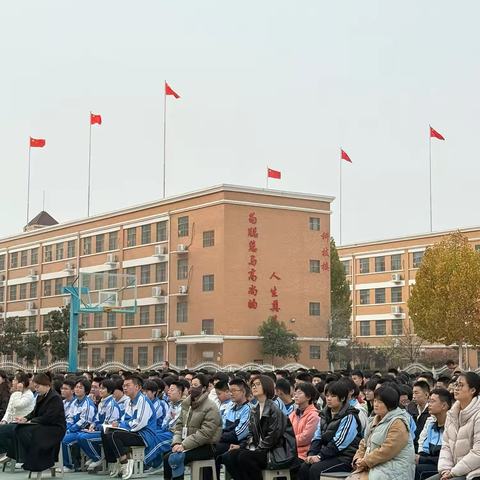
(278, 341)
(12, 338)
(444, 304)
(33, 347)
(57, 326)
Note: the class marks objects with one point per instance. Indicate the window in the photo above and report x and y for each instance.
(113, 241)
(14, 260)
(207, 326)
(396, 262)
(183, 227)
(417, 258)
(364, 297)
(182, 269)
(314, 309)
(83, 357)
(182, 312)
(380, 327)
(112, 279)
(158, 353)
(96, 357)
(314, 266)
(86, 281)
(396, 294)
(24, 258)
(144, 315)
(209, 238)
(129, 319)
(13, 292)
(2, 262)
(397, 326)
(314, 223)
(2, 294)
(99, 282)
(23, 291)
(47, 288)
(314, 352)
(33, 290)
(58, 286)
(131, 237)
(160, 313)
(346, 265)
(100, 243)
(59, 251)
(110, 354)
(98, 320)
(71, 249)
(364, 329)
(87, 246)
(208, 283)
(161, 231)
(181, 357)
(364, 265)
(379, 295)
(160, 272)
(131, 271)
(128, 355)
(477, 247)
(143, 356)
(85, 320)
(379, 264)
(32, 324)
(111, 319)
(144, 274)
(146, 234)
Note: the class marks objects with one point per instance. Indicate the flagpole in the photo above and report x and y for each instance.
(164, 133)
(341, 196)
(267, 177)
(28, 181)
(89, 162)
(430, 172)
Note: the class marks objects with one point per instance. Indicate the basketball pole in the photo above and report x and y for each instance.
(28, 178)
(89, 161)
(164, 133)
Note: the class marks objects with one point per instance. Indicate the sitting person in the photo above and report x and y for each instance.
(67, 390)
(269, 431)
(459, 456)
(150, 389)
(439, 403)
(136, 428)
(353, 392)
(108, 412)
(223, 395)
(418, 409)
(36, 444)
(386, 451)
(337, 436)
(21, 403)
(120, 397)
(283, 389)
(197, 431)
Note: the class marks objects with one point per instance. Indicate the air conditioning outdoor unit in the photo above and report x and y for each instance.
(182, 289)
(203, 332)
(32, 272)
(177, 333)
(157, 292)
(396, 277)
(396, 310)
(66, 301)
(160, 250)
(156, 333)
(107, 335)
(111, 259)
(181, 247)
(69, 266)
(30, 305)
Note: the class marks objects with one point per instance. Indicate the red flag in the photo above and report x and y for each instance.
(346, 157)
(435, 134)
(274, 174)
(169, 91)
(37, 142)
(95, 119)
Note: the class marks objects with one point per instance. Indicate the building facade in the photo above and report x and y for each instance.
(382, 275)
(211, 266)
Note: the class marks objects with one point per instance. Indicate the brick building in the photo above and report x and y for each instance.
(211, 266)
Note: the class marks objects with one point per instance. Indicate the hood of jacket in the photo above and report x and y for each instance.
(198, 402)
(461, 417)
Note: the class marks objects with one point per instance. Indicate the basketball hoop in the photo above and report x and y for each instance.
(108, 309)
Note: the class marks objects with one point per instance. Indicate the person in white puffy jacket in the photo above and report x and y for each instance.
(21, 403)
(460, 453)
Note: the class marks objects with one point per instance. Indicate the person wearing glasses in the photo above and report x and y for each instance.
(460, 453)
(270, 440)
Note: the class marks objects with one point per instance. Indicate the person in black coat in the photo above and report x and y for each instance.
(5, 387)
(37, 437)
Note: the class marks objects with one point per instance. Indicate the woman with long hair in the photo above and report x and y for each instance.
(5, 392)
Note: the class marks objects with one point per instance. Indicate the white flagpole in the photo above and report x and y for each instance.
(267, 177)
(164, 133)
(28, 178)
(340, 196)
(430, 172)
(89, 162)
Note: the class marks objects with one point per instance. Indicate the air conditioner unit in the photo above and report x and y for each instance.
(107, 336)
(203, 332)
(156, 333)
(32, 272)
(156, 292)
(177, 333)
(66, 301)
(111, 259)
(108, 299)
(182, 289)
(30, 305)
(396, 310)
(160, 250)
(396, 278)
(69, 266)
(181, 247)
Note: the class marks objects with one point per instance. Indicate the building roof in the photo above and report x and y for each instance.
(44, 219)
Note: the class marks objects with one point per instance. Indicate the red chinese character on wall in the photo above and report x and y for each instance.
(325, 236)
(252, 247)
(252, 218)
(275, 307)
(252, 232)
(253, 290)
(252, 303)
(274, 275)
(325, 266)
(325, 252)
(274, 292)
(252, 276)
(253, 260)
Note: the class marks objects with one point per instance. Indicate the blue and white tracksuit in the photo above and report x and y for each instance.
(344, 436)
(225, 407)
(235, 424)
(83, 415)
(279, 402)
(290, 408)
(89, 442)
(121, 404)
(69, 408)
(161, 408)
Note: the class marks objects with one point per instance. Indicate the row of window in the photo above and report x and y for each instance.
(380, 263)
(381, 327)
(30, 290)
(395, 295)
(107, 354)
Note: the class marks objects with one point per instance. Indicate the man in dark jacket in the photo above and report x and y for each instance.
(418, 409)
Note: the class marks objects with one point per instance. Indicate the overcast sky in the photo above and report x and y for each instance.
(273, 82)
